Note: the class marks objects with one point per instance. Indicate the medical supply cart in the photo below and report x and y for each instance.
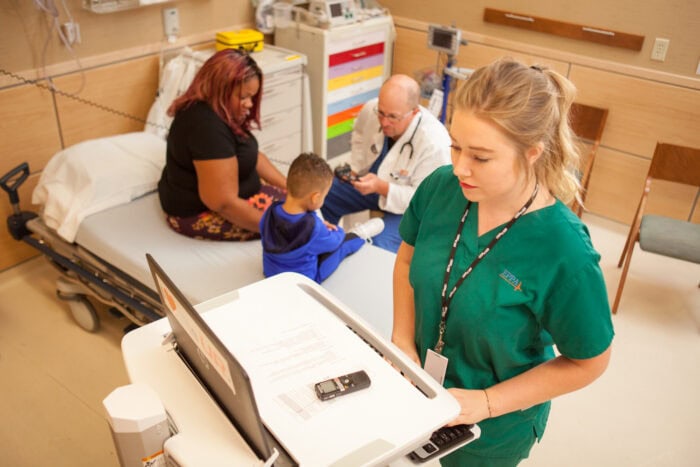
(347, 65)
(285, 115)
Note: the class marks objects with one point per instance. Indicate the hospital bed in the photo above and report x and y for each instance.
(100, 215)
(106, 258)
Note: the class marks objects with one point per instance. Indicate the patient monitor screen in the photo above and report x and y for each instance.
(442, 39)
(336, 10)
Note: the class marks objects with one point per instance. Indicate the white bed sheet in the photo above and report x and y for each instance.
(204, 269)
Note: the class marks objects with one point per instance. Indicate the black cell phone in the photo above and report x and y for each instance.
(342, 385)
(344, 173)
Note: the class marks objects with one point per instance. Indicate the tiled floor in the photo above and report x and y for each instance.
(644, 411)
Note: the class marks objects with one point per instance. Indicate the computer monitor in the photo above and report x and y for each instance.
(215, 367)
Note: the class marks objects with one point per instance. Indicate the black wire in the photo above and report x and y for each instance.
(95, 104)
(55, 90)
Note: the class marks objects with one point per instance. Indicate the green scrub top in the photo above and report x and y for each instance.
(539, 286)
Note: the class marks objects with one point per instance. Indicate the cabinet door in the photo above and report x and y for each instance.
(282, 97)
(282, 150)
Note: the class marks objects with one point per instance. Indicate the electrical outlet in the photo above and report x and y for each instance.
(171, 23)
(658, 52)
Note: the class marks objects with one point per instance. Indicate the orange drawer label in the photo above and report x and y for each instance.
(344, 115)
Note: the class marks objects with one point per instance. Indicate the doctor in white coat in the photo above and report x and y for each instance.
(396, 143)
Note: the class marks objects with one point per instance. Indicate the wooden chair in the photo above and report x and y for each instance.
(588, 123)
(664, 235)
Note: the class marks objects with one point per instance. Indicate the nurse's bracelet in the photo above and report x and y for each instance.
(488, 402)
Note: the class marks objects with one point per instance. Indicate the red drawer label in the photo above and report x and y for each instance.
(355, 54)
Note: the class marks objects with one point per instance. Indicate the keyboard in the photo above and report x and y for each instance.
(442, 441)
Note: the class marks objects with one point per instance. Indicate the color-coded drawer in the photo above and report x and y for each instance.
(354, 78)
(354, 38)
(355, 65)
(352, 101)
(340, 128)
(347, 114)
(355, 54)
(355, 89)
(338, 146)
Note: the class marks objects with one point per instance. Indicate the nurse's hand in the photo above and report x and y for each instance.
(473, 403)
(370, 183)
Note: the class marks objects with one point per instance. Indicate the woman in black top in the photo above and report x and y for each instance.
(215, 183)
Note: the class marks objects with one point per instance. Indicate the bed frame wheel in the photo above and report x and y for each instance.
(84, 313)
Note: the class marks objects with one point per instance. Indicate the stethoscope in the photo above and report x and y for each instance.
(408, 143)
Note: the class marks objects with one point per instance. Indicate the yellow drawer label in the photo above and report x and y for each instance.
(354, 78)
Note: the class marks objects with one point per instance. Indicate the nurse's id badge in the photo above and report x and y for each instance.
(436, 365)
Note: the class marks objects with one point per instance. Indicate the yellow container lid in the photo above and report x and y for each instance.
(249, 40)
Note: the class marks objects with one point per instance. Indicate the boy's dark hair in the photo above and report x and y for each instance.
(308, 173)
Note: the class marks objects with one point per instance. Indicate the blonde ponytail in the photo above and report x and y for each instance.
(531, 105)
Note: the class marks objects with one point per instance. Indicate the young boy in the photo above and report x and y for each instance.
(295, 238)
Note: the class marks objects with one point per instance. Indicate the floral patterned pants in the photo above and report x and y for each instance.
(210, 225)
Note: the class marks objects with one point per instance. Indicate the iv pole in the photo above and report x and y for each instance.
(447, 40)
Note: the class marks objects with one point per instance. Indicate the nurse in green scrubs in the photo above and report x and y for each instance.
(495, 271)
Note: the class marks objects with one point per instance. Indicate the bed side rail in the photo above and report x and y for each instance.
(17, 221)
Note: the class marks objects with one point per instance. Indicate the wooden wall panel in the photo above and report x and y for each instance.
(412, 54)
(616, 185)
(641, 112)
(478, 55)
(129, 87)
(29, 132)
(678, 20)
(14, 251)
(616, 176)
(412, 57)
(25, 30)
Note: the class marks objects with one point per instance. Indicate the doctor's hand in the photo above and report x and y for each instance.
(370, 183)
(474, 406)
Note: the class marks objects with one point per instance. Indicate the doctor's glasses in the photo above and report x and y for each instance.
(393, 118)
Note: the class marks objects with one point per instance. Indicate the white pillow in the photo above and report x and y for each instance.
(97, 174)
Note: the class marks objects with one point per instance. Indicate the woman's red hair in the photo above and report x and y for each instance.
(216, 82)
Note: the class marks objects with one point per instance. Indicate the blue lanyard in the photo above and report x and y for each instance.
(447, 298)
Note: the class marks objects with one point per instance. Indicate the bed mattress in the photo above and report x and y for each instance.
(122, 236)
(203, 269)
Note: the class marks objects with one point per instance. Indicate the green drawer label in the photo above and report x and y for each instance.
(340, 128)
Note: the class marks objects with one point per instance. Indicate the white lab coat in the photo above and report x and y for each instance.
(431, 149)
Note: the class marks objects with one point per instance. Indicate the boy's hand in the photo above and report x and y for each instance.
(330, 226)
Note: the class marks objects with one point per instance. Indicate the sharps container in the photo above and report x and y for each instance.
(139, 425)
